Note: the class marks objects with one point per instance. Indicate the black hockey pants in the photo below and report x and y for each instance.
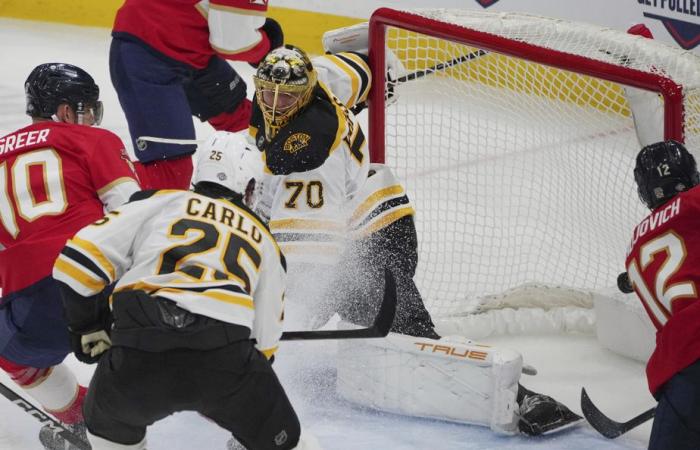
(233, 385)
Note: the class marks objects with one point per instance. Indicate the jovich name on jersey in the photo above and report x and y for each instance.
(305, 143)
(658, 218)
(208, 209)
(18, 141)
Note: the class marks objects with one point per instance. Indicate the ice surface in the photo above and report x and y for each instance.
(307, 369)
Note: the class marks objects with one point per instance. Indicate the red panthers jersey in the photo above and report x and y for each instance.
(55, 178)
(192, 31)
(663, 265)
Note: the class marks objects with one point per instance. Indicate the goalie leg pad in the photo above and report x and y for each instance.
(445, 379)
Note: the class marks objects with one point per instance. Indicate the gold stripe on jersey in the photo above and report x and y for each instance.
(304, 224)
(384, 220)
(76, 273)
(95, 253)
(365, 87)
(152, 286)
(268, 352)
(109, 186)
(377, 197)
(352, 75)
(240, 300)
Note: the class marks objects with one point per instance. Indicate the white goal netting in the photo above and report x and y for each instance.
(521, 172)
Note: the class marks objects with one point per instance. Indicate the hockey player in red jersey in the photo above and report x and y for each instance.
(197, 305)
(168, 63)
(663, 266)
(56, 175)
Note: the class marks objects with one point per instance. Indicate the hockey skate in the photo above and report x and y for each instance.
(52, 440)
(541, 414)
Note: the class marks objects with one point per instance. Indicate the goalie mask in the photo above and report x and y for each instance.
(662, 171)
(284, 83)
(52, 84)
(230, 161)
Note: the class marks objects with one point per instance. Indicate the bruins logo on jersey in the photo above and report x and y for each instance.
(296, 142)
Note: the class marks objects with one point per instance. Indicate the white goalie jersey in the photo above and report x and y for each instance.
(309, 208)
(210, 256)
(346, 74)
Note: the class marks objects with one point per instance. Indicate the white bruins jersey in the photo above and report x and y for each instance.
(381, 201)
(308, 209)
(316, 164)
(347, 75)
(211, 257)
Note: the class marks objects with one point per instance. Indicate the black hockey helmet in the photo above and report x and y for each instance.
(663, 170)
(52, 84)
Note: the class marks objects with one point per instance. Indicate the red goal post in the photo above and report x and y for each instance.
(520, 161)
(384, 17)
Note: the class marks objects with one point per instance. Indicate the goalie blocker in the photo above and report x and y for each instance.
(452, 378)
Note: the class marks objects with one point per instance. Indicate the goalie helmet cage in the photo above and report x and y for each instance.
(520, 161)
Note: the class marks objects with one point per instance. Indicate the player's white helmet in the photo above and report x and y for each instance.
(231, 161)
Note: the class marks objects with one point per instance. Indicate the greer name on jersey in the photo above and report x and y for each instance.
(209, 256)
(57, 178)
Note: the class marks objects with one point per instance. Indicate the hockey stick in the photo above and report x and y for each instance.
(605, 425)
(442, 66)
(161, 140)
(356, 109)
(56, 426)
(380, 327)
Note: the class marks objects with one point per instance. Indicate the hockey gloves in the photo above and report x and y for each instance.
(214, 90)
(89, 347)
(275, 35)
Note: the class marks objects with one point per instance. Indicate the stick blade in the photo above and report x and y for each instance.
(380, 327)
(605, 426)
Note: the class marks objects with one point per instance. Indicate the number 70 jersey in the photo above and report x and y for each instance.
(663, 265)
(210, 256)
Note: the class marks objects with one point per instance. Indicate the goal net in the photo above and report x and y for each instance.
(518, 153)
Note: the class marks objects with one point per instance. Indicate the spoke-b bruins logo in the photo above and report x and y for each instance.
(296, 143)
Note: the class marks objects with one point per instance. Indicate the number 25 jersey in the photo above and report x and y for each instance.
(210, 256)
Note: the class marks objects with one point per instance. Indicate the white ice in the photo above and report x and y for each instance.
(565, 363)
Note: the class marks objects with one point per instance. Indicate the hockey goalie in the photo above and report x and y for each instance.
(340, 221)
